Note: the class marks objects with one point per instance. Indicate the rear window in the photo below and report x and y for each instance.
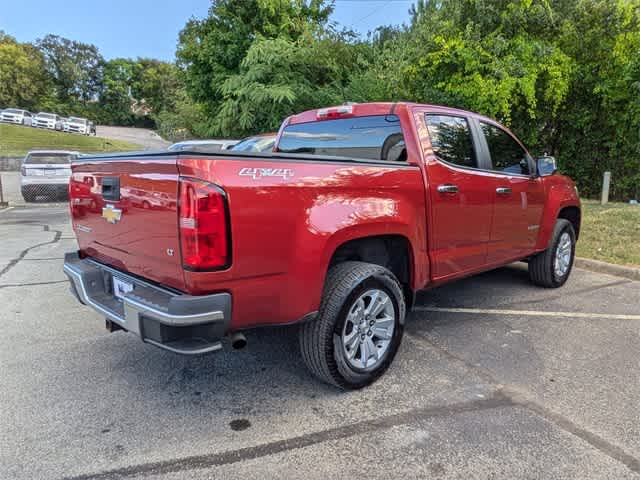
(376, 137)
(43, 158)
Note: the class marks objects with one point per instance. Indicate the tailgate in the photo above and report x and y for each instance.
(124, 214)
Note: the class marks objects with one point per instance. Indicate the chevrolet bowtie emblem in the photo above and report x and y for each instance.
(111, 214)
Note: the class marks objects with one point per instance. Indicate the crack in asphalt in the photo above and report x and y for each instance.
(250, 453)
(522, 398)
(24, 252)
(42, 259)
(14, 285)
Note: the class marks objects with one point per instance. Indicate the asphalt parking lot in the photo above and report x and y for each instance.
(496, 379)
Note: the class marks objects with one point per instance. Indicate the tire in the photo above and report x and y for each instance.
(542, 267)
(322, 340)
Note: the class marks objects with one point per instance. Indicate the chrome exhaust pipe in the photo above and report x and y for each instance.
(238, 340)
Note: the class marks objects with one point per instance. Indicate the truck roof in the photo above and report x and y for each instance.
(380, 108)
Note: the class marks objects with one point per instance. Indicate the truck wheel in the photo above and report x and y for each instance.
(552, 267)
(359, 326)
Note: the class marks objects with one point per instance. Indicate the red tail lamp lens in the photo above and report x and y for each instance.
(203, 226)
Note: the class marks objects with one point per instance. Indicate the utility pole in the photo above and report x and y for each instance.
(606, 180)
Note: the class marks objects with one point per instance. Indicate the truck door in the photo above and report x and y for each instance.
(518, 196)
(460, 193)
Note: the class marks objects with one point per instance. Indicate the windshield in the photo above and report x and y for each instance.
(43, 158)
(206, 147)
(255, 144)
(12, 110)
(46, 115)
(77, 120)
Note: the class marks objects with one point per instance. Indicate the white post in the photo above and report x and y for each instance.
(606, 179)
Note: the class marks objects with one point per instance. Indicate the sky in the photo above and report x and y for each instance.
(148, 28)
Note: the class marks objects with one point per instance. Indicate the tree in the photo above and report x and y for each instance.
(156, 83)
(279, 77)
(115, 97)
(23, 82)
(212, 50)
(75, 68)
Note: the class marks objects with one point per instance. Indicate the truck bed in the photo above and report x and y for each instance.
(287, 212)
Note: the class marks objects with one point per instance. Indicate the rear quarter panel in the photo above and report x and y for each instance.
(284, 229)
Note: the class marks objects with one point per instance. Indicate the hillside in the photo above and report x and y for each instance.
(16, 140)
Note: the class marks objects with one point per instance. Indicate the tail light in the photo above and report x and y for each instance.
(204, 228)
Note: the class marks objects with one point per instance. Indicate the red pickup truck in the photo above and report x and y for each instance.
(357, 208)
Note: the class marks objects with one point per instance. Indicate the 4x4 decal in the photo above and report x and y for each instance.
(258, 173)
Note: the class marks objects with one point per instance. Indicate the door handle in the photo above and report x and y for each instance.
(503, 191)
(448, 188)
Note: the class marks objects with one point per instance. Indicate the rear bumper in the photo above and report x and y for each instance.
(35, 180)
(179, 323)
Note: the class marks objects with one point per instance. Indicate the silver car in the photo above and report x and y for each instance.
(46, 173)
(77, 125)
(203, 146)
(17, 116)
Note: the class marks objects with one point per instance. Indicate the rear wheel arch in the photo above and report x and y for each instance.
(393, 252)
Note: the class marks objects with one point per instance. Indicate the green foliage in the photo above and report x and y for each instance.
(213, 51)
(280, 76)
(22, 78)
(74, 67)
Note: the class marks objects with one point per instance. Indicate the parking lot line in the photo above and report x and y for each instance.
(6, 209)
(530, 313)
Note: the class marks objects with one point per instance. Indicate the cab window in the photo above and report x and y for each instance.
(451, 140)
(507, 155)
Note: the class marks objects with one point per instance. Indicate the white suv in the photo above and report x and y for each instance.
(51, 121)
(15, 115)
(46, 173)
(77, 125)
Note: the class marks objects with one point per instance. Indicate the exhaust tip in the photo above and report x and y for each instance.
(238, 341)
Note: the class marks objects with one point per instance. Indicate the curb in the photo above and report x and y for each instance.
(608, 268)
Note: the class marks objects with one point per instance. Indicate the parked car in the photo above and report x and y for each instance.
(16, 115)
(357, 209)
(51, 121)
(257, 143)
(46, 173)
(204, 146)
(77, 125)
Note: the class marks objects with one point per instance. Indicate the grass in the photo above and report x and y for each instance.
(16, 141)
(610, 233)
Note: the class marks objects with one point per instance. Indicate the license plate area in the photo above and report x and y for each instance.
(121, 287)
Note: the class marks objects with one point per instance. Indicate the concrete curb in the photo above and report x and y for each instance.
(608, 268)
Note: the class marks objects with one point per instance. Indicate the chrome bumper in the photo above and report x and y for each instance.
(179, 323)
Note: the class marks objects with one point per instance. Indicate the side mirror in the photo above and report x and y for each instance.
(546, 165)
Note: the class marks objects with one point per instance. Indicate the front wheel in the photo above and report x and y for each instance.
(552, 267)
(359, 326)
